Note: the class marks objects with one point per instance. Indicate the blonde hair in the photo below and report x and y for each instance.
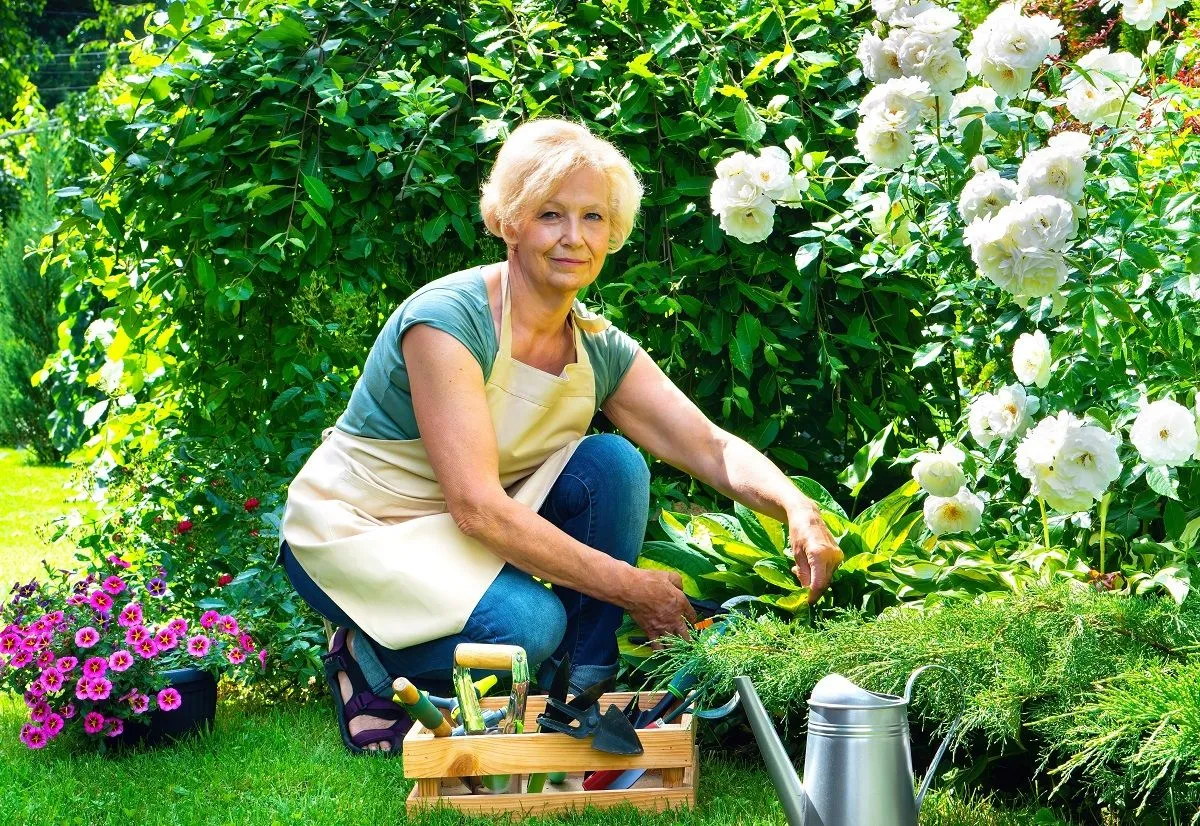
(535, 160)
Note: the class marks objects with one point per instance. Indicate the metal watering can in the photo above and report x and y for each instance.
(857, 766)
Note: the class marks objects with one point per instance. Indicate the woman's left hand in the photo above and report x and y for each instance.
(815, 551)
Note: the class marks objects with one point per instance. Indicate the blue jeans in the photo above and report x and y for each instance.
(602, 499)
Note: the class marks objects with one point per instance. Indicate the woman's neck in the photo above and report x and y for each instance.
(539, 312)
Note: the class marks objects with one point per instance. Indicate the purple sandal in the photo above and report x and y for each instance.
(363, 701)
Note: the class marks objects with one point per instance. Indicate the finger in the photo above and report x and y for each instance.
(802, 571)
(675, 579)
(689, 613)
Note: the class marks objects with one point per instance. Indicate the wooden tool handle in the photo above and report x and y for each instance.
(419, 707)
(482, 655)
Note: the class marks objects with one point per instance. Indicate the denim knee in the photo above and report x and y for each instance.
(617, 455)
(516, 610)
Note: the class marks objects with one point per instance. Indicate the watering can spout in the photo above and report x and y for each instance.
(779, 765)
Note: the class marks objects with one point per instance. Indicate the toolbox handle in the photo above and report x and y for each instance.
(484, 655)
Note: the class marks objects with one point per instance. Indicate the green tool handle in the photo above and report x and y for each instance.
(418, 706)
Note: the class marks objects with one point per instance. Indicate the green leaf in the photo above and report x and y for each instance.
(742, 552)
(928, 353)
(778, 574)
(744, 343)
(706, 83)
(1163, 481)
(176, 14)
(877, 521)
(816, 492)
(489, 67)
(749, 125)
(206, 276)
(972, 138)
(196, 138)
(317, 190)
(857, 474)
(755, 530)
(435, 227)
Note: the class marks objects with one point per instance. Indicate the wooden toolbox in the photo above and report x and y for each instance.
(437, 763)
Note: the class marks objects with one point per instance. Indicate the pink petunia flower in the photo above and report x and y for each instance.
(93, 722)
(115, 726)
(140, 703)
(120, 660)
(246, 642)
(147, 648)
(228, 625)
(34, 737)
(76, 599)
(169, 699)
(198, 645)
(95, 667)
(130, 615)
(40, 711)
(136, 634)
(36, 688)
(236, 656)
(30, 644)
(166, 639)
(20, 659)
(45, 659)
(56, 617)
(99, 689)
(53, 724)
(113, 584)
(209, 618)
(117, 561)
(9, 643)
(87, 636)
(66, 664)
(52, 679)
(100, 601)
(178, 626)
(82, 687)
(40, 625)
(262, 659)
(68, 711)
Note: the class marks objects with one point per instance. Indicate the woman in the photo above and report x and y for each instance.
(460, 469)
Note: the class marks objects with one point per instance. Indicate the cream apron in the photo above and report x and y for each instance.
(367, 519)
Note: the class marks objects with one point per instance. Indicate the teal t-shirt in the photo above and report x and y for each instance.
(381, 403)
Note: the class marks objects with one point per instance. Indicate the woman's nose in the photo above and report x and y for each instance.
(571, 232)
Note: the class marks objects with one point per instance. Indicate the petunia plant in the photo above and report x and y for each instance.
(90, 652)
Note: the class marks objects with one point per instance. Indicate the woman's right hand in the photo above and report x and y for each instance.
(656, 602)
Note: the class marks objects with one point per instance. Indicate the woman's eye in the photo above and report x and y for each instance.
(549, 214)
(595, 216)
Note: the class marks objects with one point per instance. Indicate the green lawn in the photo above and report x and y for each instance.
(30, 497)
(286, 765)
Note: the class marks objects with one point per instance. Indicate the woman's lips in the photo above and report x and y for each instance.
(567, 261)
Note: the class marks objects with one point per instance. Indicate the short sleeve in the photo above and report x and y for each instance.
(612, 352)
(455, 312)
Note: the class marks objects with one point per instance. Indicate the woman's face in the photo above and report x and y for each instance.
(565, 241)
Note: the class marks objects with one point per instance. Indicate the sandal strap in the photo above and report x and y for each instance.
(393, 735)
(367, 703)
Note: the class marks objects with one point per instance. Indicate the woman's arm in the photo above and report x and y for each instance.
(652, 411)
(450, 405)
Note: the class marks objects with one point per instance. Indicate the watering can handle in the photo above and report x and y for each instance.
(937, 757)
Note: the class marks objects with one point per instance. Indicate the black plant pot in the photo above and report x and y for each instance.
(197, 709)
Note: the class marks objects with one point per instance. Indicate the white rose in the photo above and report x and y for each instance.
(103, 329)
(1023, 42)
(884, 144)
(883, 9)
(771, 171)
(944, 70)
(1100, 99)
(1037, 273)
(1007, 81)
(900, 101)
(1143, 14)
(1043, 222)
(1067, 462)
(737, 190)
(1164, 433)
(1052, 171)
(1031, 359)
(976, 97)
(938, 21)
(110, 376)
(126, 400)
(888, 221)
(985, 195)
(736, 164)
(961, 513)
(878, 60)
(941, 473)
(907, 11)
(1003, 415)
(749, 222)
(992, 249)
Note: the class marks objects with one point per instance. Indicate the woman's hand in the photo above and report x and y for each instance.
(815, 551)
(656, 602)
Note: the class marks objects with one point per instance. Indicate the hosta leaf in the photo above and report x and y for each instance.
(775, 572)
(756, 531)
(877, 521)
(814, 491)
(740, 551)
